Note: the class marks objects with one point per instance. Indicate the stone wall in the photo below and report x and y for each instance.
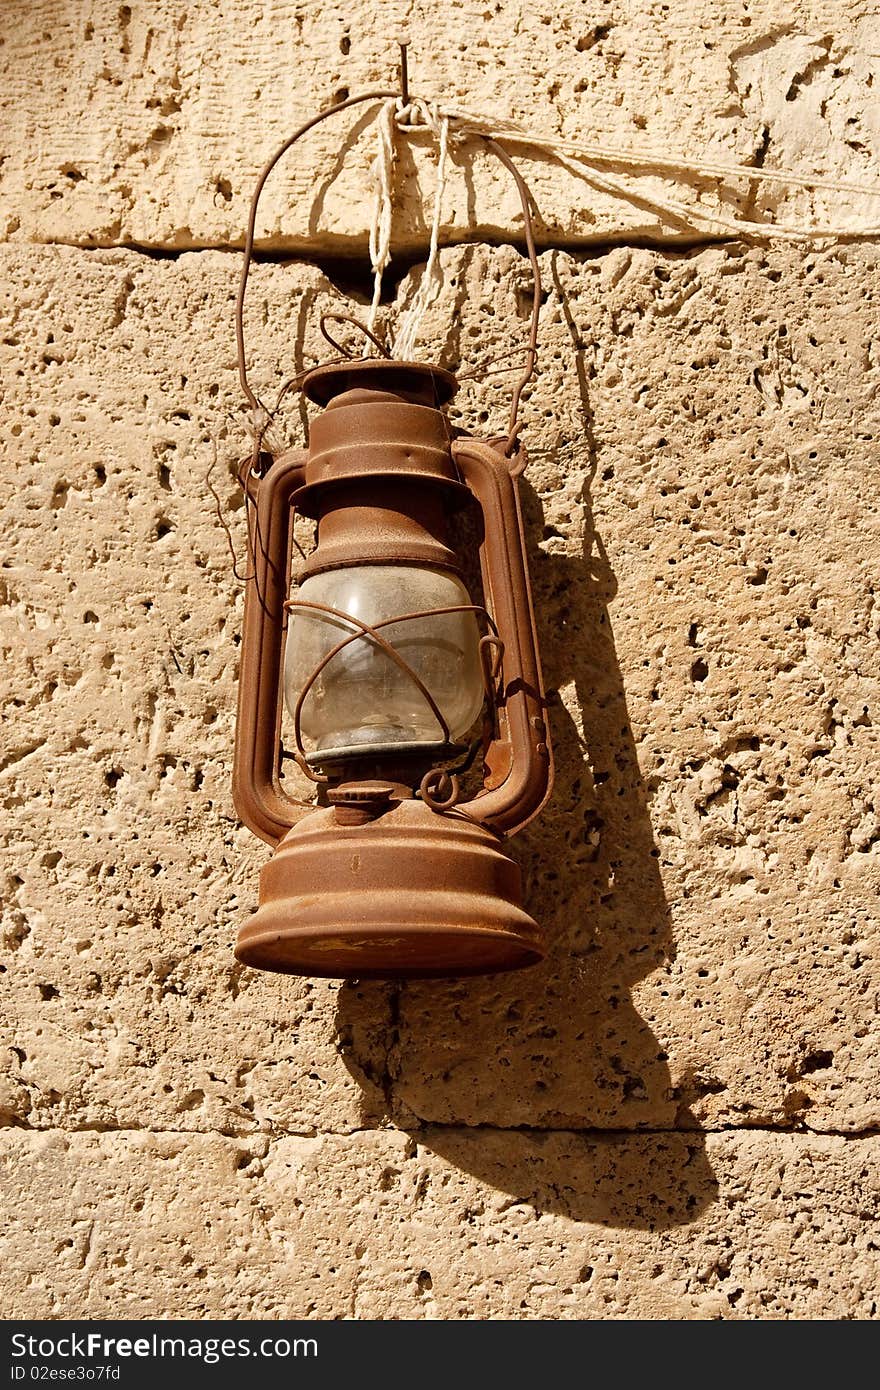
(676, 1115)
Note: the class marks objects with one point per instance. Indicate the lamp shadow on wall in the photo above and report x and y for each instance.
(548, 1085)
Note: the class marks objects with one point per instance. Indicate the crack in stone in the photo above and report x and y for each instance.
(413, 253)
(427, 1126)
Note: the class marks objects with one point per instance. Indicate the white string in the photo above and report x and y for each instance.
(432, 280)
(382, 170)
(451, 123)
(512, 133)
(578, 159)
(706, 220)
(408, 117)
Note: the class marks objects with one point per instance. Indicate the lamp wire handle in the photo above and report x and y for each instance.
(253, 400)
(527, 203)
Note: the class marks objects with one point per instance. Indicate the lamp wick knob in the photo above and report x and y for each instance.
(355, 803)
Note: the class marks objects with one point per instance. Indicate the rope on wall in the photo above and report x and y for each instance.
(432, 280)
(399, 114)
(652, 161)
(383, 211)
(455, 125)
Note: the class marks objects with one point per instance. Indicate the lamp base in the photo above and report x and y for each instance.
(409, 894)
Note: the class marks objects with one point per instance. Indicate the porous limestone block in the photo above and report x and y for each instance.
(444, 1223)
(127, 871)
(701, 519)
(701, 508)
(150, 123)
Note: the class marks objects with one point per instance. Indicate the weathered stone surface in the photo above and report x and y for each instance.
(452, 1224)
(675, 1116)
(150, 123)
(127, 870)
(702, 520)
(703, 440)
(708, 869)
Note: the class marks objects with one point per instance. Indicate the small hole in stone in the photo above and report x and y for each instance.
(816, 1061)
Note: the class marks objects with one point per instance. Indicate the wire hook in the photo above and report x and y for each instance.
(404, 74)
(525, 200)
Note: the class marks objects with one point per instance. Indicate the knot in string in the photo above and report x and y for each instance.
(416, 114)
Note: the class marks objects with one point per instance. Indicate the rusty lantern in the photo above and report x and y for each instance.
(394, 676)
